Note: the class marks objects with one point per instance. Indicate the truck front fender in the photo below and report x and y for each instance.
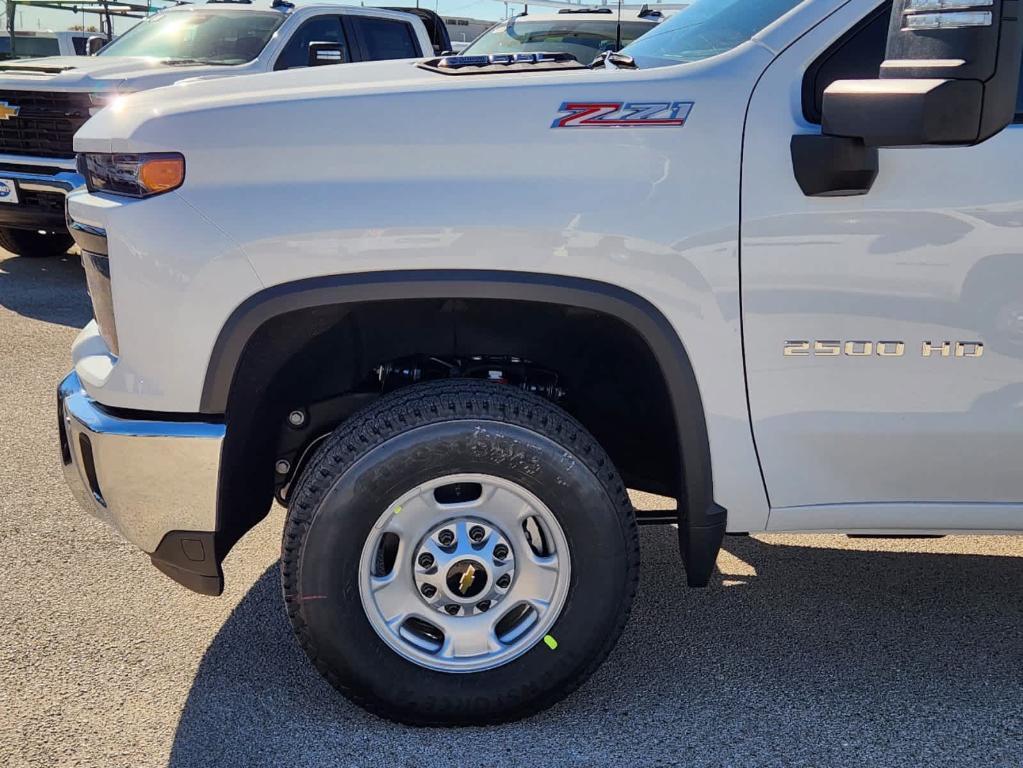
(701, 520)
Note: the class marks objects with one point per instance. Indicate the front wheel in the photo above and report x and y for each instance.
(27, 242)
(459, 553)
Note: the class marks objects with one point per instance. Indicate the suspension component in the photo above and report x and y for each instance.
(506, 369)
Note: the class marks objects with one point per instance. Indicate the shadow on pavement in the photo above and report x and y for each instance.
(48, 289)
(795, 656)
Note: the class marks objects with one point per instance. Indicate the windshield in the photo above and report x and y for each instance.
(706, 28)
(208, 37)
(583, 38)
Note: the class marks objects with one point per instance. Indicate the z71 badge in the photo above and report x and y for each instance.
(618, 114)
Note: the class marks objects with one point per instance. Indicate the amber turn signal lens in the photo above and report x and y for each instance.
(162, 174)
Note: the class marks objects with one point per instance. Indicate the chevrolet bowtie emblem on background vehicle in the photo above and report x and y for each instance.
(7, 111)
(617, 114)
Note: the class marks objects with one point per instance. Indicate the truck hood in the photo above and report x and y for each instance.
(296, 83)
(114, 128)
(100, 73)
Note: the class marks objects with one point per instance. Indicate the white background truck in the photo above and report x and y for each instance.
(44, 101)
(30, 44)
(756, 262)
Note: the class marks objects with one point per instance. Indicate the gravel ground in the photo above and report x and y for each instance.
(806, 651)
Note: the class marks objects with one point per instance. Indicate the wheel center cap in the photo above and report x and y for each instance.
(466, 578)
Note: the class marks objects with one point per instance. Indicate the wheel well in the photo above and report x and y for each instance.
(606, 356)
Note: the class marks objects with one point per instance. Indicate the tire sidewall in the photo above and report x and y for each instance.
(333, 616)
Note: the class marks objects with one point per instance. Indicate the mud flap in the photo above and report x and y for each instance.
(700, 533)
(189, 557)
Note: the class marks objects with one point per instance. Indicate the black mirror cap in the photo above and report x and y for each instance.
(904, 113)
(951, 76)
(988, 53)
(325, 53)
(95, 44)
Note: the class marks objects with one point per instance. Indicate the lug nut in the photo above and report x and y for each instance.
(426, 560)
(451, 609)
(504, 581)
(296, 418)
(483, 606)
(500, 552)
(428, 590)
(476, 533)
(446, 538)
(283, 467)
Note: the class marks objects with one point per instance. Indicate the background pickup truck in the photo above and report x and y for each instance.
(44, 101)
(740, 263)
(31, 45)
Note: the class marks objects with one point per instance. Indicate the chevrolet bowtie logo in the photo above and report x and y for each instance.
(8, 111)
(467, 579)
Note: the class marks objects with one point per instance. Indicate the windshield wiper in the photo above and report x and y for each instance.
(614, 60)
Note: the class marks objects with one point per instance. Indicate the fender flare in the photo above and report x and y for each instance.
(702, 522)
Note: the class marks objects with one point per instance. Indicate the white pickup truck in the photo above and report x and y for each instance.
(44, 101)
(767, 260)
(29, 44)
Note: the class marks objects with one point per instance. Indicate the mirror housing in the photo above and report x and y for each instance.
(950, 77)
(95, 44)
(322, 54)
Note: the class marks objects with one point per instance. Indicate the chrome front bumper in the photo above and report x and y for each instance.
(58, 178)
(64, 178)
(153, 480)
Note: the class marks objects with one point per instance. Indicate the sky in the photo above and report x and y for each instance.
(38, 18)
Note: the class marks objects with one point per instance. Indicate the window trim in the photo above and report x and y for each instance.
(809, 85)
(294, 35)
(1018, 118)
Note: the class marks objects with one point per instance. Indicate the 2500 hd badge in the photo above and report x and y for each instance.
(832, 348)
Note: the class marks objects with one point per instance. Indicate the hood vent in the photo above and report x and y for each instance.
(497, 63)
(28, 69)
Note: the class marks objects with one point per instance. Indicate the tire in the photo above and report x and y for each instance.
(525, 448)
(26, 242)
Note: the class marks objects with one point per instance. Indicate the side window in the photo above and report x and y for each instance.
(322, 29)
(856, 56)
(385, 38)
(79, 44)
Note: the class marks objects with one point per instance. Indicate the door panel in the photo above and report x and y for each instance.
(861, 410)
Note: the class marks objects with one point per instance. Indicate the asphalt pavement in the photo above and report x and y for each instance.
(805, 651)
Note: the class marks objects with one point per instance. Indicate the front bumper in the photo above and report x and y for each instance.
(42, 183)
(152, 479)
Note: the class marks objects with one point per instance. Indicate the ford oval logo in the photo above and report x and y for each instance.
(5, 190)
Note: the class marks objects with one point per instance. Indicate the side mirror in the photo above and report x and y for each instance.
(94, 44)
(322, 53)
(950, 76)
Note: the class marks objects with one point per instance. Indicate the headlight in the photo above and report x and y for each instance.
(133, 175)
